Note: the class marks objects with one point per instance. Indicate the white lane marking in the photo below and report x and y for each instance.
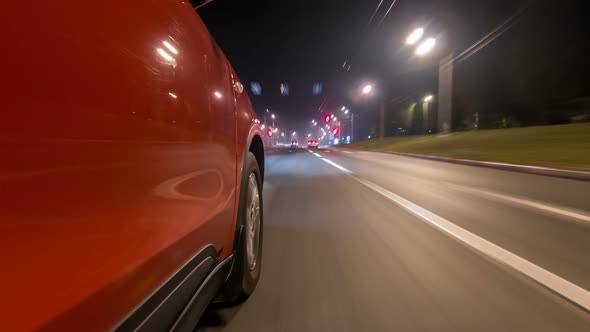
(550, 280)
(530, 203)
(347, 151)
(317, 155)
(336, 165)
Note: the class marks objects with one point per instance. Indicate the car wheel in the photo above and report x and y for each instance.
(247, 257)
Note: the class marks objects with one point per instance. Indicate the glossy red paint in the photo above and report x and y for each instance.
(122, 141)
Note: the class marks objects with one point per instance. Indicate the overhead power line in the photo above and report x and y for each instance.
(489, 37)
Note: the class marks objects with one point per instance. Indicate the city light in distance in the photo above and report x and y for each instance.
(428, 98)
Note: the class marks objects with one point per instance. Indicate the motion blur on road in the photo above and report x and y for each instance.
(342, 254)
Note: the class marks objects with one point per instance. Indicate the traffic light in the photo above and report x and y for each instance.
(270, 133)
(327, 118)
(335, 131)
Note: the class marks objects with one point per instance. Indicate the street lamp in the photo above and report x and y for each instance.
(367, 89)
(415, 36)
(425, 112)
(445, 78)
(425, 47)
(346, 110)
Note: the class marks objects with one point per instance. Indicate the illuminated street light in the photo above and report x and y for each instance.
(272, 116)
(343, 108)
(308, 135)
(425, 47)
(428, 98)
(334, 119)
(346, 112)
(367, 89)
(415, 36)
(294, 133)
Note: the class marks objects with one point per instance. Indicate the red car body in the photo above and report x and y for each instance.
(123, 133)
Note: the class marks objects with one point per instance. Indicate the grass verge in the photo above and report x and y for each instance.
(560, 146)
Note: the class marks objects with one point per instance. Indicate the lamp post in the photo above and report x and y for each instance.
(445, 77)
(351, 116)
(426, 103)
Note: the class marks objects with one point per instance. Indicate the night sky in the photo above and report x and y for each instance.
(303, 42)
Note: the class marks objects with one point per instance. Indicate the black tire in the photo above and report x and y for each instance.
(243, 278)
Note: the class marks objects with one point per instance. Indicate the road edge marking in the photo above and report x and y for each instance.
(336, 165)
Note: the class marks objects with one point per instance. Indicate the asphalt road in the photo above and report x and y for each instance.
(373, 242)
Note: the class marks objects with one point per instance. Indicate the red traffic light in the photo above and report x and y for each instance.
(327, 118)
(270, 133)
(335, 131)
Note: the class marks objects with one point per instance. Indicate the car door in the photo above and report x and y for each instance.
(118, 158)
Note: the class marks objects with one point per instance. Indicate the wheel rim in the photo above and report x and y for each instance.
(252, 222)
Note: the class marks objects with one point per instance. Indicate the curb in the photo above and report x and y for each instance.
(546, 171)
